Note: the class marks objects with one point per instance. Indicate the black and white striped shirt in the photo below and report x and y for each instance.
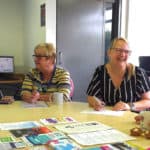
(130, 90)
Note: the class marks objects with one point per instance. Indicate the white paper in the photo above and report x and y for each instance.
(19, 125)
(32, 105)
(38, 148)
(5, 146)
(82, 127)
(100, 137)
(104, 112)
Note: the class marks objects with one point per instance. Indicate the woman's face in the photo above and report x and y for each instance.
(120, 53)
(42, 61)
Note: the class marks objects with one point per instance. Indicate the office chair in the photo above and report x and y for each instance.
(144, 62)
(72, 88)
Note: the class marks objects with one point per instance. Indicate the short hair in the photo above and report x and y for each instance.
(114, 41)
(49, 49)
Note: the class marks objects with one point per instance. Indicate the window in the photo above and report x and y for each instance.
(112, 22)
(137, 31)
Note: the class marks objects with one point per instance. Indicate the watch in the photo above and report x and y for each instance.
(132, 106)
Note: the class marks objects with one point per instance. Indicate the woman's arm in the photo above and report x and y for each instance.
(64, 84)
(144, 103)
(143, 89)
(46, 97)
(28, 92)
(30, 97)
(96, 103)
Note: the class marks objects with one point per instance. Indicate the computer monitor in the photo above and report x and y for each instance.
(144, 62)
(6, 64)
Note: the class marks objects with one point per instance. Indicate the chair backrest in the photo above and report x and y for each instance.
(72, 88)
(144, 62)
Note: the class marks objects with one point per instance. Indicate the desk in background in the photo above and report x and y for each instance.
(15, 112)
(10, 84)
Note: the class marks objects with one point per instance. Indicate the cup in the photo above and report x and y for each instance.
(57, 98)
(145, 122)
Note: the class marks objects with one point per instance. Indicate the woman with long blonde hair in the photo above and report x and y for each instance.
(119, 83)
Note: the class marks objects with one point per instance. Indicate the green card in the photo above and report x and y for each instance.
(6, 139)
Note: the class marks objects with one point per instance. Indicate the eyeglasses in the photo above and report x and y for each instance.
(39, 56)
(120, 51)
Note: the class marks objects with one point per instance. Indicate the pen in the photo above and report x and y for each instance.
(102, 102)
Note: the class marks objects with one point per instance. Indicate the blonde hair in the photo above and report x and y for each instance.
(131, 70)
(114, 41)
(49, 49)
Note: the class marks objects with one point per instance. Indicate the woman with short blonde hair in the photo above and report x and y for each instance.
(46, 78)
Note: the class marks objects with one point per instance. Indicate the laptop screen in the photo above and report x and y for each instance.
(6, 64)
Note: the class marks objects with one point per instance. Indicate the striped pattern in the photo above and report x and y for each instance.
(60, 82)
(102, 86)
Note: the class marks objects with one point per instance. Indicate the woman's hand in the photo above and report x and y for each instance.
(121, 106)
(96, 103)
(46, 97)
(31, 97)
(35, 96)
(8, 99)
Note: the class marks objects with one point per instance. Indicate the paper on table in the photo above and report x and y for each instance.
(31, 105)
(19, 125)
(53, 120)
(5, 146)
(80, 127)
(100, 137)
(103, 112)
(40, 139)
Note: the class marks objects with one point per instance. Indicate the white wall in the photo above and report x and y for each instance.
(21, 31)
(33, 32)
(51, 21)
(11, 30)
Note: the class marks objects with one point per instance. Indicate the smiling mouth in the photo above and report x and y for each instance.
(122, 59)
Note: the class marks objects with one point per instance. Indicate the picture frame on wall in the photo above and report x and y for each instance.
(43, 14)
